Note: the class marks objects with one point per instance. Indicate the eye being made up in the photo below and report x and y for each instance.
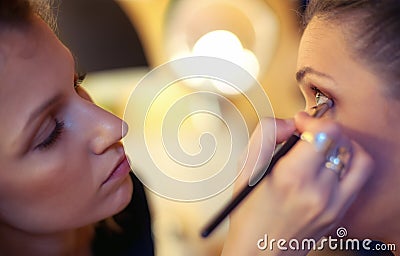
(52, 138)
(320, 97)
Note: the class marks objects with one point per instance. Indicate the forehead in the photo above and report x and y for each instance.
(325, 48)
(28, 50)
(322, 42)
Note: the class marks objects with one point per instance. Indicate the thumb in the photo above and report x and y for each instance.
(284, 129)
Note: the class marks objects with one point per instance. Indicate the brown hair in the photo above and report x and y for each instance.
(14, 10)
(373, 30)
(19, 11)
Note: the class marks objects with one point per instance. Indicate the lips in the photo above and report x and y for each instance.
(120, 171)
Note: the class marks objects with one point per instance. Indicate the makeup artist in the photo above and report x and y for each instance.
(350, 53)
(63, 169)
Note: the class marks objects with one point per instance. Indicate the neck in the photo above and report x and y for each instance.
(377, 211)
(390, 227)
(73, 242)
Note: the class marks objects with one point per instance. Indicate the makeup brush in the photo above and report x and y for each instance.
(323, 105)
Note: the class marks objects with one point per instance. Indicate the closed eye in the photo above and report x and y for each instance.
(53, 137)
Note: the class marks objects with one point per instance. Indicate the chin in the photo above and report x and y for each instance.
(120, 197)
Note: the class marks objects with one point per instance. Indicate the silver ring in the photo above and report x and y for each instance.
(321, 141)
(336, 165)
(337, 160)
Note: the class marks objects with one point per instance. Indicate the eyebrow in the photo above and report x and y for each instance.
(308, 70)
(39, 110)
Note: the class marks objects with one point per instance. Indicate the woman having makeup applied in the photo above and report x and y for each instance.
(344, 184)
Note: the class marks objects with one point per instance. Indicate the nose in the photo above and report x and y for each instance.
(106, 130)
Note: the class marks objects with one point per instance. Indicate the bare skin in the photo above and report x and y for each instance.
(57, 150)
(303, 199)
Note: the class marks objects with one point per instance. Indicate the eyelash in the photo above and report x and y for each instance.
(53, 137)
(78, 79)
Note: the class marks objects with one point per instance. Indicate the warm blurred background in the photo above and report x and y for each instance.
(118, 42)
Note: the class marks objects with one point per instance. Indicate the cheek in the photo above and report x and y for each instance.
(364, 123)
(53, 194)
